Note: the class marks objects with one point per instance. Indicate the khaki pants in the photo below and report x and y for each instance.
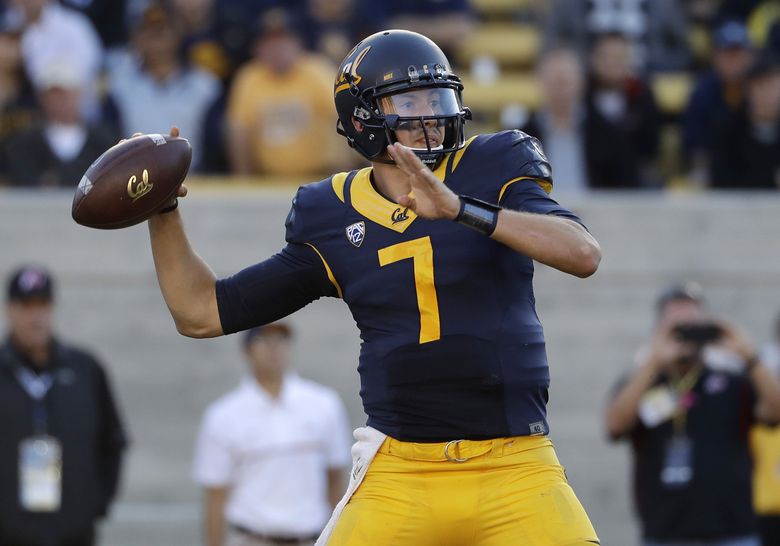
(237, 538)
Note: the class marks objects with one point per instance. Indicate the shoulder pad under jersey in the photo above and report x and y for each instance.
(315, 210)
(516, 155)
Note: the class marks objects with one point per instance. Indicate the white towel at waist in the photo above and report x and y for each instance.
(366, 445)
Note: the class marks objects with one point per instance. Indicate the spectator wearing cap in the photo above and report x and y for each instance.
(747, 145)
(152, 89)
(717, 95)
(59, 149)
(687, 408)
(271, 453)
(281, 116)
(62, 439)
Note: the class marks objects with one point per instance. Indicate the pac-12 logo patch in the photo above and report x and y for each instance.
(356, 233)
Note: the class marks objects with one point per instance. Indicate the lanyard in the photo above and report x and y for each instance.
(36, 387)
(683, 388)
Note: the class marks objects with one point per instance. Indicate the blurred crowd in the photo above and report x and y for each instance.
(624, 94)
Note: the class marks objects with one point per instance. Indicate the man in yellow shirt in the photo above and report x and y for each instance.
(279, 105)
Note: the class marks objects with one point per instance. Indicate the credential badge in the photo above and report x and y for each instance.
(356, 233)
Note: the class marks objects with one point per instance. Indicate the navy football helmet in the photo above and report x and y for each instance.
(396, 80)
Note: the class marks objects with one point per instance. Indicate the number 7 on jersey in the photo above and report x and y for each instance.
(421, 251)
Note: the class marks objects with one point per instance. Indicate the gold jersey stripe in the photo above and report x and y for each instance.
(459, 153)
(544, 184)
(338, 184)
(328, 271)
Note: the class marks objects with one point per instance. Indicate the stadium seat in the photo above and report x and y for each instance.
(671, 91)
(490, 98)
(509, 44)
(500, 7)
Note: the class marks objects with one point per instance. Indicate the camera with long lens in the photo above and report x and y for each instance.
(700, 333)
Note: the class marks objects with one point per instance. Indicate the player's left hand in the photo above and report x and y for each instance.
(429, 197)
(182, 191)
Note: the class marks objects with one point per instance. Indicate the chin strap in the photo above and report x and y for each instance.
(432, 161)
(430, 158)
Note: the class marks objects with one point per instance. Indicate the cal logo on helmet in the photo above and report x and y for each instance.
(342, 83)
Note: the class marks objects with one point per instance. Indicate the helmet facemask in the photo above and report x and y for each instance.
(428, 120)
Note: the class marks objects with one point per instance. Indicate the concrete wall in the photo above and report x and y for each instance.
(109, 301)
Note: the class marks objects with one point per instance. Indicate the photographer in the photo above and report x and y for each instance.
(687, 409)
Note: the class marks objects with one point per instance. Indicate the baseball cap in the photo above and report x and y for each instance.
(688, 291)
(275, 327)
(30, 282)
(732, 34)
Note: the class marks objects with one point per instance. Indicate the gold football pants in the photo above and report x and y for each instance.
(502, 492)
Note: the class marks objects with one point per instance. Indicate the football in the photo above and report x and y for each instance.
(131, 181)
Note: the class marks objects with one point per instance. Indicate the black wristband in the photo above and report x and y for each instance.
(170, 208)
(478, 215)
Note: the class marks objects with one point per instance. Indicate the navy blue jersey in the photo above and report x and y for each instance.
(452, 346)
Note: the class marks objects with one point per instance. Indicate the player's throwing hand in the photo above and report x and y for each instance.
(429, 198)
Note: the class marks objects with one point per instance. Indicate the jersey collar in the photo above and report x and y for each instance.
(374, 206)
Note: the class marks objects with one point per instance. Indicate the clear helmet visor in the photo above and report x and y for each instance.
(422, 119)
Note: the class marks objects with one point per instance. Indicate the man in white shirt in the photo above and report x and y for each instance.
(270, 454)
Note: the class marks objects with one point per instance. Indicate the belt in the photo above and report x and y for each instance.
(460, 451)
(274, 538)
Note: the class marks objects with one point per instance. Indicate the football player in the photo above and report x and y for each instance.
(432, 249)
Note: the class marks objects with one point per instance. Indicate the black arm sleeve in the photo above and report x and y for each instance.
(272, 289)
